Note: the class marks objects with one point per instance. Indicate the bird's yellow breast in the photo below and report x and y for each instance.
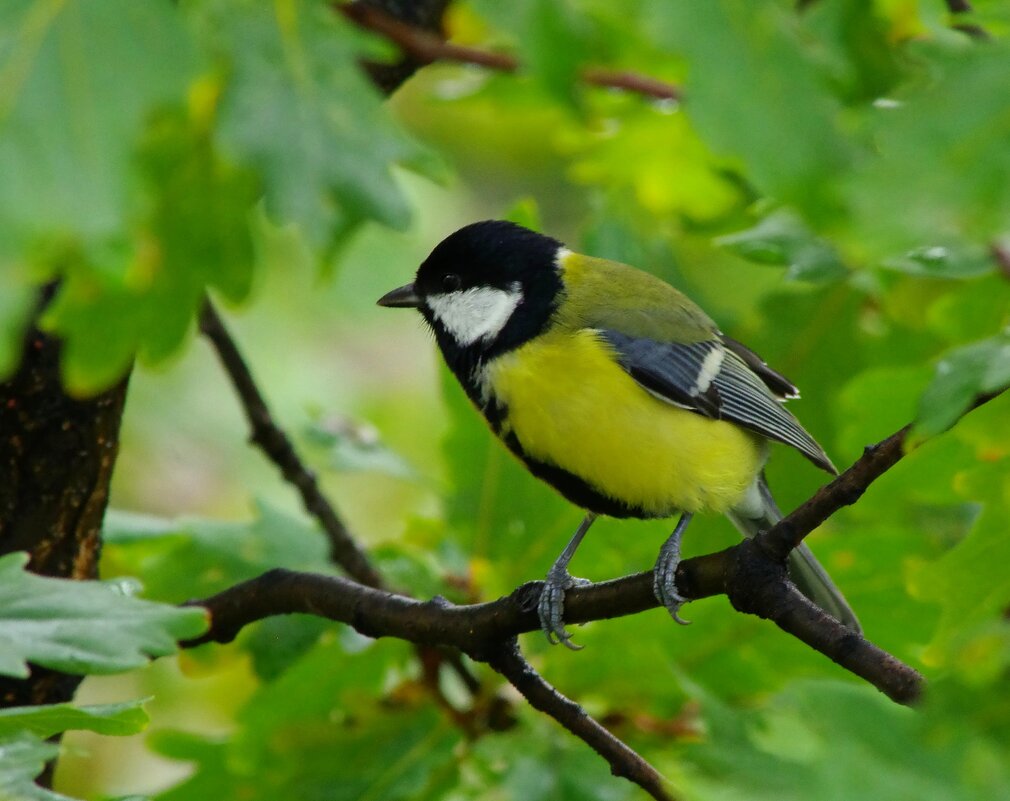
(570, 404)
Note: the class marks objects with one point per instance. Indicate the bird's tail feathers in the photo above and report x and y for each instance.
(761, 513)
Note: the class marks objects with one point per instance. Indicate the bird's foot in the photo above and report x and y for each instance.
(551, 607)
(664, 575)
(664, 587)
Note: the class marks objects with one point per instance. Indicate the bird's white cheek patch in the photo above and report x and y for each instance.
(473, 314)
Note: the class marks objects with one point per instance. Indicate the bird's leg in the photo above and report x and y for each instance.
(551, 606)
(664, 576)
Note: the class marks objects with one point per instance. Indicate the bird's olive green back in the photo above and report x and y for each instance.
(610, 295)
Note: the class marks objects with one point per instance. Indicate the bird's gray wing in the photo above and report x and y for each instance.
(780, 386)
(712, 379)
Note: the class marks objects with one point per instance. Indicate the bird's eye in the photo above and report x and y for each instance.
(451, 282)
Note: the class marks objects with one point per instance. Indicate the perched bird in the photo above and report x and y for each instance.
(615, 389)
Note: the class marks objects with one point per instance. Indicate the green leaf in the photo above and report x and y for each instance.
(839, 741)
(45, 721)
(854, 48)
(878, 401)
(193, 233)
(961, 376)
(553, 38)
(656, 165)
(184, 559)
(782, 239)
(778, 120)
(525, 212)
(77, 81)
(554, 43)
(395, 756)
(211, 777)
(944, 155)
(82, 626)
(972, 587)
(276, 642)
(531, 763)
(356, 447)
(325, 730)
(941, 262)
(413, 565)
(298, 108)
(23, 757)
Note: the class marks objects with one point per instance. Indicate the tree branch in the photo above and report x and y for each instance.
(424, 47)
(752, 574)
(423, 15)
(508, 660)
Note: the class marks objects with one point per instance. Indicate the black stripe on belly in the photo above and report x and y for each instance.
(572, 487)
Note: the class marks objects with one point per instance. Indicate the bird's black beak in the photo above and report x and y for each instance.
(405, 297)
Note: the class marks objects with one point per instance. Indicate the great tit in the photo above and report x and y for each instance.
(614, 388)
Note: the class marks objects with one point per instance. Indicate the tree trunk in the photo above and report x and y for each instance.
(56, 459)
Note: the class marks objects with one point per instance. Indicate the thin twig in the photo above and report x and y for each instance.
(508, 660)
(631, 82)
(425, 47)
(957, 8)
(271, 439)
(275, 444)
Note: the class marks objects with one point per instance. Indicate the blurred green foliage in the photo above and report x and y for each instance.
(830, 189)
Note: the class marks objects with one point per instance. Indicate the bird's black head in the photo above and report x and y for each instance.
(485, 289)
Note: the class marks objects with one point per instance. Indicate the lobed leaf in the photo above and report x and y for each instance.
(782, 239)
(782, 126)
(82, 626)
(961, 376)
(23, 756)
(184, 559)
(298, 109)
(47, 720)
(79, 79)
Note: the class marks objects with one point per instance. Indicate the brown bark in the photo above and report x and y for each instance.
(56, 460)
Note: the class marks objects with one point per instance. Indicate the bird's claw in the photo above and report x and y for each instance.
(664, 586)
(551, 607)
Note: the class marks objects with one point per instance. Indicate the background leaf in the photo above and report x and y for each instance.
(299, 110)
(782, 239)
(961, 376)
(24, 757)
(80, 80)
(188, 559)
(725, 40)
(82, 627)
(50, 719)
